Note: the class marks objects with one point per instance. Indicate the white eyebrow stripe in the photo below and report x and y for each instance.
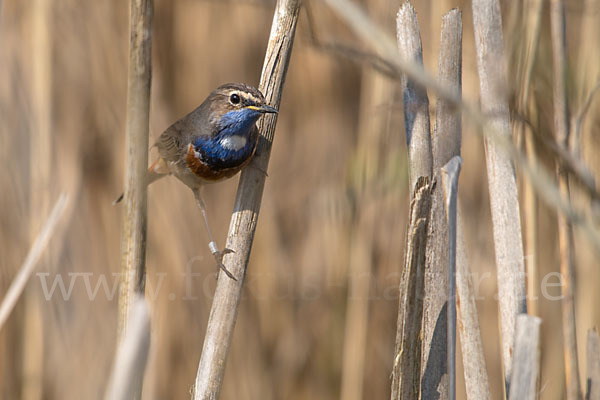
(234, 142)
(247, 96)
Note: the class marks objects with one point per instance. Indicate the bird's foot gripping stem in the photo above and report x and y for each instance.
(219, 258)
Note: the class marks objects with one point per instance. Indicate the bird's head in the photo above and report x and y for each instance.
(236, 106)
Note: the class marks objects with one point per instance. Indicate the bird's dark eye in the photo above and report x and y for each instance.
(234, 99)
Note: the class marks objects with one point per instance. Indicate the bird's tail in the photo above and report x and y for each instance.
(156, 171)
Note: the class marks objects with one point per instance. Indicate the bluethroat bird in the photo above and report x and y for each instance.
(212, 143)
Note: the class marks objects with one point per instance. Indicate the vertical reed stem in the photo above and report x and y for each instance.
(449, 174)
(223, 313)
(476, 377)
(414, 98)
(533, 13)
(127, 375)
(375, 90)
(40, 162)
(406, 372)
(447, 139)
(133, 232)
(526, 367)
(502, 183)
(565, 230)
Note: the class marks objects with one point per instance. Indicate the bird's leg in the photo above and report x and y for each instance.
(212, 245)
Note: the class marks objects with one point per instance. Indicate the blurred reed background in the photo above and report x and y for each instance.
(321, 295)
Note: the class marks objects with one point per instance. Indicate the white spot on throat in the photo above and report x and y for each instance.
(234, 142)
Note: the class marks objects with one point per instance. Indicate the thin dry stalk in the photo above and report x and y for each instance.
(526, 370)
(531, 223)
(406, 372)
(35, 252)
(577, 123)
(414, 97)
(133, 232)
(565, 230)
(375, 90)
(593, 365)
(385, 48)
(224, 308)
(40, 166)
(449, 175)
(41, 144)
(130, 360)
(533, 12)
(587, 66)
(357, 313)
(502, 182)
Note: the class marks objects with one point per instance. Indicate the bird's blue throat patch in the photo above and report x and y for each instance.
(218, 151)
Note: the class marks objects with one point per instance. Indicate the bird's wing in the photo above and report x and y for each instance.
(171, 143)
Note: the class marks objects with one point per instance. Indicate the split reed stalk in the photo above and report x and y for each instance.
(133, 232)
(224, 308)
(421, 164)
(406, 371)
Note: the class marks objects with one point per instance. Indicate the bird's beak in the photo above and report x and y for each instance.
(263, 109)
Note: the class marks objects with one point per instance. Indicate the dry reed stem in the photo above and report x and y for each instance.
(446, 144)
(41, 146)
(530, 211)
(449, 174)
(406, 372)
(565, 230)
(577, 130)
(447, 140)
(35, 252)
(41, 143)
(524, 133)
(526, 361)
(502, 184)
(375, 90)
(447, 137)
(133, 232)
(476, 377)
(587, 68)
(593, 365)
(414, 97)
(418, 139)
(536, 174)
(128, 369)
(224, 308)
(357, 311)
